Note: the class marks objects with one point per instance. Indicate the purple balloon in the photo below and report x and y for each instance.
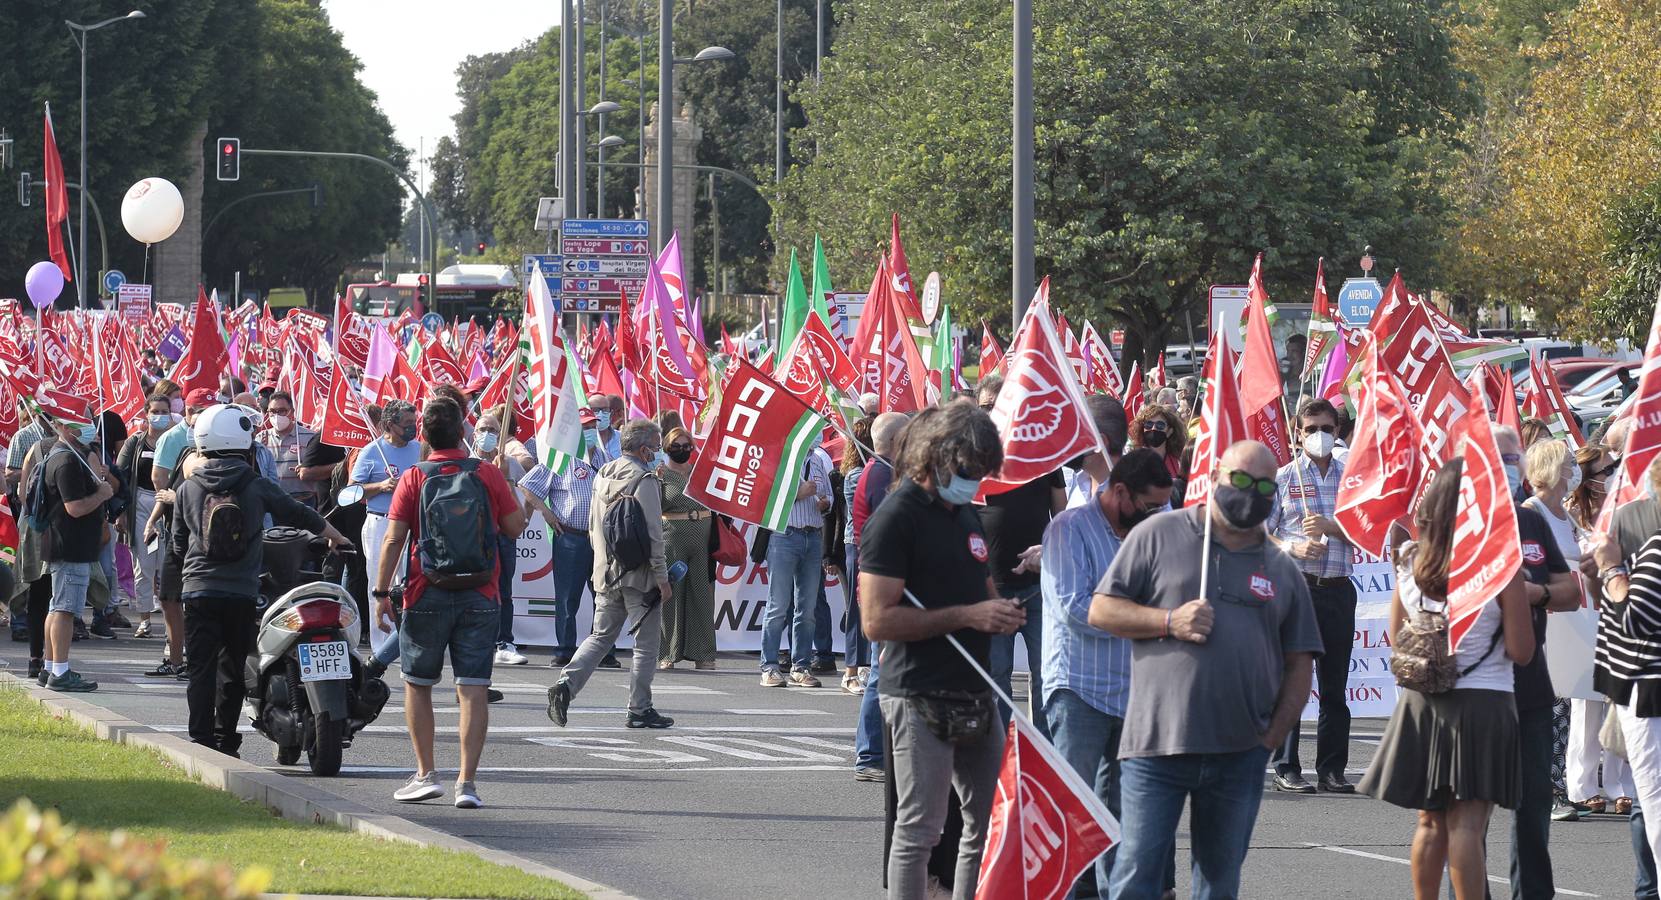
(44, 283)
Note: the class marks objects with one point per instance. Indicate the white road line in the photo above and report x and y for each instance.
(1406, 862)
(556, 770)
(579, 729)
(774, 712)
(673, 688)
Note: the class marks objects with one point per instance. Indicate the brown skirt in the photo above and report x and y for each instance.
(1461, 745)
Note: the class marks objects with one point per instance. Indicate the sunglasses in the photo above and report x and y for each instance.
(1245, 481)
(1156, 425)
(1606, 471)
(680, 446)
(1312, 429)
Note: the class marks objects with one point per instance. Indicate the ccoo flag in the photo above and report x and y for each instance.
(750, 463)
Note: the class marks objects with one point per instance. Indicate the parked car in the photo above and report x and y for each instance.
(1571, 371)
(1605, 390)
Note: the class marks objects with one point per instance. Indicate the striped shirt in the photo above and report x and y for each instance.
(1079, 545)
(1629, 633)
(568, 496)
(1302, 490)
(24, 441)
(805, 513)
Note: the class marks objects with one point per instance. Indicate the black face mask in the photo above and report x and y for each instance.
(1243, 509)
(679, 455)
(1134, 516)
(1152, 438)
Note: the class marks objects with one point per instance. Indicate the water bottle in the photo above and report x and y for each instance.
(677, 571)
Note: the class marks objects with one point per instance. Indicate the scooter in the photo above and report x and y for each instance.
(307, 688)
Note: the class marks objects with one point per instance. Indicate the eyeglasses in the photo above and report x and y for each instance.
(1312, 429)
(1606, 471)
(1511, 458)
(679, 446)
(1156, 425)
(274, 411)
(1246, 481)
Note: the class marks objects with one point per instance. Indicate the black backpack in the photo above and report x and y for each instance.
(226, 536)
(628, 540)
(457, 550)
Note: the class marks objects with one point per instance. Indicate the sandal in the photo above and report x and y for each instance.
(851, 683)
(1623, 806)
(1594, 804)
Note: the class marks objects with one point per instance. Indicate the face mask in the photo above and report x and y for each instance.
(409, 433)
(1133, 515)
(660, 459)
(1152, 438)
(680, 454)
(178, 404)
(1574, 478)
(1514, 478)
(957, 491)
(602, 420)
(88, 435)
(1242, 509)
(1319, 445)
(281, 423)
(488, 441)
(161, 421)
(591, 437)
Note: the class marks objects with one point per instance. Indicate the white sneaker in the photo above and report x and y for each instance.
(419, 787)
(509, 655)
(772, 678)
(467, 796)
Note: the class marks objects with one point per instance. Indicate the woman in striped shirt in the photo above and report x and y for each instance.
(1628, 663)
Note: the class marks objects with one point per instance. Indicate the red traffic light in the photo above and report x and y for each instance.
(422, 279)
(227, 148)
(481, 246)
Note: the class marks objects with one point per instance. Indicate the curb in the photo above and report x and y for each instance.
(294, 800)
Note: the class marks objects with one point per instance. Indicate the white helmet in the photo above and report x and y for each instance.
(225, 427)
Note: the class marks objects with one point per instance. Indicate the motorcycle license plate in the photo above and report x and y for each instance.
(326, 661)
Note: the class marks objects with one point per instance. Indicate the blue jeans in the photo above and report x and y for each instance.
(1644, 882)
(793, 580)
(857, 649)
(868, 748)
(507, 550)
(462, 622)
(1002, 661)
(1225, 790)
(1089, 740)
(573, 563)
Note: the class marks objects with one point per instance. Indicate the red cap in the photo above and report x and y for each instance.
(586, 416)
(201, 398)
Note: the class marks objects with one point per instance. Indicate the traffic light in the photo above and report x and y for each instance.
(230, 159)
(481, 248)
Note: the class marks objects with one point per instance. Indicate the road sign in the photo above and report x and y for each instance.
(1228, 304)
(603, 228)
(134, 301)
(113, 280)
(605, 285)
(603, 247)
(631, 266)
(551, 264)
(593, 303)
(432, 322)
(1357, 299)
(931, 297)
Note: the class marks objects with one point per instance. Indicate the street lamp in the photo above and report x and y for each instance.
(666, 63)
(578, 195)
(79, 33)
(605, 143)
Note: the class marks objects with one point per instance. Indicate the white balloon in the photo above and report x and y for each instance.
(152, 210)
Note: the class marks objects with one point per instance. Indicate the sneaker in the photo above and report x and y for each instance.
(560, 661)
(509, 655)
(610, 662)
(705, 665)
(665, 665)
(851, 683)
(1562, 811)
(803, 678)
(649, 719)
(181, 673)
(102, 631)
(770, 677)
(419, 787)
(491, 695)
(43, 675)
(165, 670)
(823, 665)
(71, 682)
(467, 796)
(35, 667)
(142, 631)
(870, 773)
(117, 620)
(559, 702)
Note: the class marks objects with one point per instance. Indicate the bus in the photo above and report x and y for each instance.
(464, 290)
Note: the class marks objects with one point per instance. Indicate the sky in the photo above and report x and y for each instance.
(410, 51)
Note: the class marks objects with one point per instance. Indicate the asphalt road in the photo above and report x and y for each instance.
(751, 793)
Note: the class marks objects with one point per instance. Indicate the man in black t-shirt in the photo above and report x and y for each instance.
(74, 538)
(1550, 588)
(926, 540)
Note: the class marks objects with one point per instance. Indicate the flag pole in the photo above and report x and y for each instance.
(1211, 428)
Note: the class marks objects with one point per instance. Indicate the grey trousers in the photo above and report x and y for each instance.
(612, 612)
(925, 769)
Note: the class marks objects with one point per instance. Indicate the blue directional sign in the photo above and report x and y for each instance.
(552, 264)
(432, 322)
(1357, 299)
(113, 280)
(604, 228)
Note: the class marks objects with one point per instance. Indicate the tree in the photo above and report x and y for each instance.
(302, 92)
(1632, 258)
(1174, 141)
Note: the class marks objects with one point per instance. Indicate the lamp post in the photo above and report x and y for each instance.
(1021, 274)
(606, 143)
(598, 109)
(79, 32)
(666, 63)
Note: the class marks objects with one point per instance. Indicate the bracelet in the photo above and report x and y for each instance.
(380, 594)
(1167, 624)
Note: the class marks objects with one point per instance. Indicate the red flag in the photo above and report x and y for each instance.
(884, 350)
(509, 374)
(628, 344)
(57, 200)
(1547, 402)
(1486, 548)
(1322, 316)
(1496, 389)
(1135, 392)
(991, 355)
(351, 334)
(1040, 411)
(1222, 422)
(900, 278)
(437, 364)
(9, 536)
(1047, 825)
(57, 363)
(759, 440)
(1259, 366)
(402, 383)
(816, 338)
(1385, 468)
(344, 421)
(116, 371)
(607, 380)
(205, 358)
(728, 348)
(1159, 378)
(1070, 346)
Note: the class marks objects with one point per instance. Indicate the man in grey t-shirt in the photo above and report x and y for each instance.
(1216, 682)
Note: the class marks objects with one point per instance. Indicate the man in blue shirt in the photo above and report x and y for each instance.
(1086, 670)
(377, 469)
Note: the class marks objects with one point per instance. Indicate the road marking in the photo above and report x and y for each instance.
(748, 748)
(1407, 862)
(557, 770)
(582, 729)
(776, 711)
(673, 688)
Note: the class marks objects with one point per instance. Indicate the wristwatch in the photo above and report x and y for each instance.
(379, 594)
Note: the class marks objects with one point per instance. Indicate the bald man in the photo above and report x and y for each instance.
(1217, 681)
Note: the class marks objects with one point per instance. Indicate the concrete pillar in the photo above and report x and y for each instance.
(176, 263)
(686, 134)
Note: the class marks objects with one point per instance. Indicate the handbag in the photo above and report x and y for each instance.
(1421, 659)
(956, 717)
(1610, 735)
(729, 544)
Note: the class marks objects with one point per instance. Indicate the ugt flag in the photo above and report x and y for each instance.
(752, 461)
(1486, 548)
(1046, 825)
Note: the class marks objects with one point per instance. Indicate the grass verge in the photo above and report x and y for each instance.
(106, 786)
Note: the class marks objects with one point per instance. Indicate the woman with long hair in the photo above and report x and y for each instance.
(1454, 755)
(1158, 429)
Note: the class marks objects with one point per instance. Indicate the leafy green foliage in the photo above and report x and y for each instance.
(1632, 254)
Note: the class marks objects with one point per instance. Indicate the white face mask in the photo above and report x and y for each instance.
(1319, 445)
(1572, 481)
(281, 423)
